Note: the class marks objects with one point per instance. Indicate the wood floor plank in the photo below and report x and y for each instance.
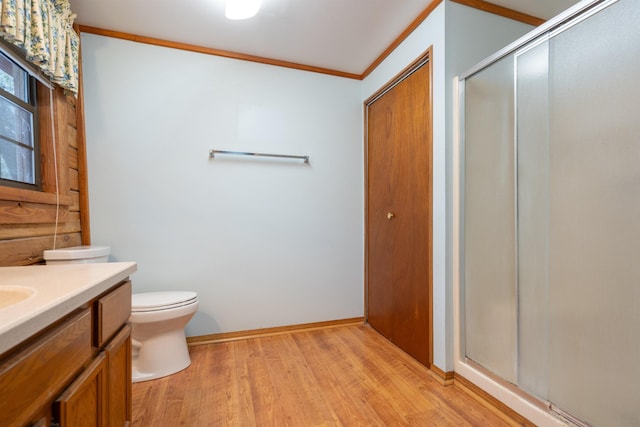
(380, 390)
(341, 376)
(301, 384)
(346, 392)
(245, 410)
(403, 378)
(288, 397)
(225, 403)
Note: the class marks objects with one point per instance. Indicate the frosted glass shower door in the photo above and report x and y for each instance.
(489, 241)
(594, 218)
(551, 216)
(532, 135)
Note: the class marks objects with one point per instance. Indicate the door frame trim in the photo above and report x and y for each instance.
(425, 58)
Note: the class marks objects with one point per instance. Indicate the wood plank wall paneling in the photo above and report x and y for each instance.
(73, 179)
(83, 196)
(27, 218)
(25, 230)
(71, 118)
(28, 213)
(27, 251)
(71, 136)
(47, 153)
(72, 155)
(75, 205)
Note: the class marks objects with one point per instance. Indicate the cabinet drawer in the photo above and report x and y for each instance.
(111, 312)
(45, 366)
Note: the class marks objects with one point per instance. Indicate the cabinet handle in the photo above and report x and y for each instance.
(390, 215)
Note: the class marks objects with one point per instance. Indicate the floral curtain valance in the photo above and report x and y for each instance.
(43, 29)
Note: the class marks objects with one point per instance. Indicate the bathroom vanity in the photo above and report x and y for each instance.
(65, 347)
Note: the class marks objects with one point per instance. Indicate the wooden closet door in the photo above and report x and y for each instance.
(399, 214)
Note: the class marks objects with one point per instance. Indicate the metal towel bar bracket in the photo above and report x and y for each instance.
(212, 154)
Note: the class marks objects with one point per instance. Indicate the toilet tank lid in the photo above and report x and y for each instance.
(161, 299)
(77, 252)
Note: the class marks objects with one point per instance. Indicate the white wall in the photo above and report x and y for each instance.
(461, 36)
(263, 242)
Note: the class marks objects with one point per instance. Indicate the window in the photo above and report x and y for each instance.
(19, 160)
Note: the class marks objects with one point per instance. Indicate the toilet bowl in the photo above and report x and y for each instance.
(158, 342)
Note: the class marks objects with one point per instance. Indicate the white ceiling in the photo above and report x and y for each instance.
(342, 35)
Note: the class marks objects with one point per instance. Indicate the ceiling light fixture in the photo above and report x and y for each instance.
(241, 9)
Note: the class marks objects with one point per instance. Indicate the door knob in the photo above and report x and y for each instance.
(390, 215)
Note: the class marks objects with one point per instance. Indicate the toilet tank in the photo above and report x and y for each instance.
(77, 255)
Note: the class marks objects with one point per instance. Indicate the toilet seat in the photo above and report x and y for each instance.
(158, 301)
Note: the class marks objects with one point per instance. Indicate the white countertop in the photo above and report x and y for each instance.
(59, 289)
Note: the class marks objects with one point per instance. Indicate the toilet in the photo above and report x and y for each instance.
(158, 319)
(158, 342)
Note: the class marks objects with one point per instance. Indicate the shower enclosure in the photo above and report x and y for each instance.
(550, 214)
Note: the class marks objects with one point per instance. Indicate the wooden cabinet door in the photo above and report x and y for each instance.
(30, 377)
(399, 213)
(84, 403)
(118, 353)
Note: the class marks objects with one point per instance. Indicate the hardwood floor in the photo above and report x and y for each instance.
(342, 376)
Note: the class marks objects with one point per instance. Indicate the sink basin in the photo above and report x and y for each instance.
(10, 295)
